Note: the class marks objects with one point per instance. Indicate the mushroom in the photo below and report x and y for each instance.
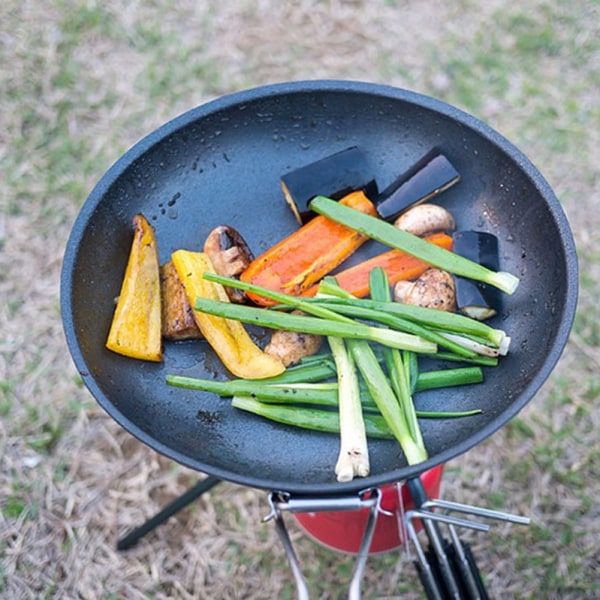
(402, 290)
(230, 255)
(433, 289)
(424, 219)
(291, 346)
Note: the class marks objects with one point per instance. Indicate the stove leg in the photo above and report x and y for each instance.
(178, 504)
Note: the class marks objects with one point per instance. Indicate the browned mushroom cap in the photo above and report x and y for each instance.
(291, 347)
(230, 256)
(402, 290)
(434, 289)
(424, 219)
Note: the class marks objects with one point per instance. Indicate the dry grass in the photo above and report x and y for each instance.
(82, 81)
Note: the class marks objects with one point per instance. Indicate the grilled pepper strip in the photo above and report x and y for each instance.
(136, 326)
(240, 355)
(305, 256)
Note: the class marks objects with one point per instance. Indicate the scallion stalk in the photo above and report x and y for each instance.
(328, 421)
(383, 396)
(473, 345)
(398, 365)
(333, 303)
(484, 361)
(288, 393)
(316, 367)
(315, 419)
(442, 378)
(400, 324)
(431, 317)
(314, 325)
(413, 371)
(353, 458)
(318, 394)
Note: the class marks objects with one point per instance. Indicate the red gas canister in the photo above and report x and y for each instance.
(344, 530)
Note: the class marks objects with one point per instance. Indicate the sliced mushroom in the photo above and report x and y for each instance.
(434, 289)
(424, 219)
(230, 255)
(291, 347)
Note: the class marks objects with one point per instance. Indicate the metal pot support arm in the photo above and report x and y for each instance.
(282, 501)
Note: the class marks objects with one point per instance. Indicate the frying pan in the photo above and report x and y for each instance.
(221, 163)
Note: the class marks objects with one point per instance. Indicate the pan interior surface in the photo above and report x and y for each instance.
(221, 164)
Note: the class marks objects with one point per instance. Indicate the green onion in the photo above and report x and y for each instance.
(430, 317)
(420, 317)
(484, 361)
(356, 307)
(296, 393)
(397, 364)
(353, 458)
(316, 367)
(471, 344)
(319, 394)
(413, 370)
(349, 341)
(429, 380)
(328, 421)
(427, 323)
(309, 418)
(383, 396)
(314, 325)
(384, 232)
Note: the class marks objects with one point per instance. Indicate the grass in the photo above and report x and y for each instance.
(80, 82)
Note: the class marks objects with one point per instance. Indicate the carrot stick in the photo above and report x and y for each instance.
(300, 260)
(398, 266)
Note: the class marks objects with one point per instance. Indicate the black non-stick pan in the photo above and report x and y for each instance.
(221, 163)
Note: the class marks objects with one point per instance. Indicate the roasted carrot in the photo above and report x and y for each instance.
(398, 266)
(298, 261)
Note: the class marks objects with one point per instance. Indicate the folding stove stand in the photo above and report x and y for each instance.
(447, 569)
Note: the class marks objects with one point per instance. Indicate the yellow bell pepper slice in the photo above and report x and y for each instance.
(136, 326)
(232, 343)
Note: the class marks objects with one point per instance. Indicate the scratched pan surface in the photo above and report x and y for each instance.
(221, 163)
